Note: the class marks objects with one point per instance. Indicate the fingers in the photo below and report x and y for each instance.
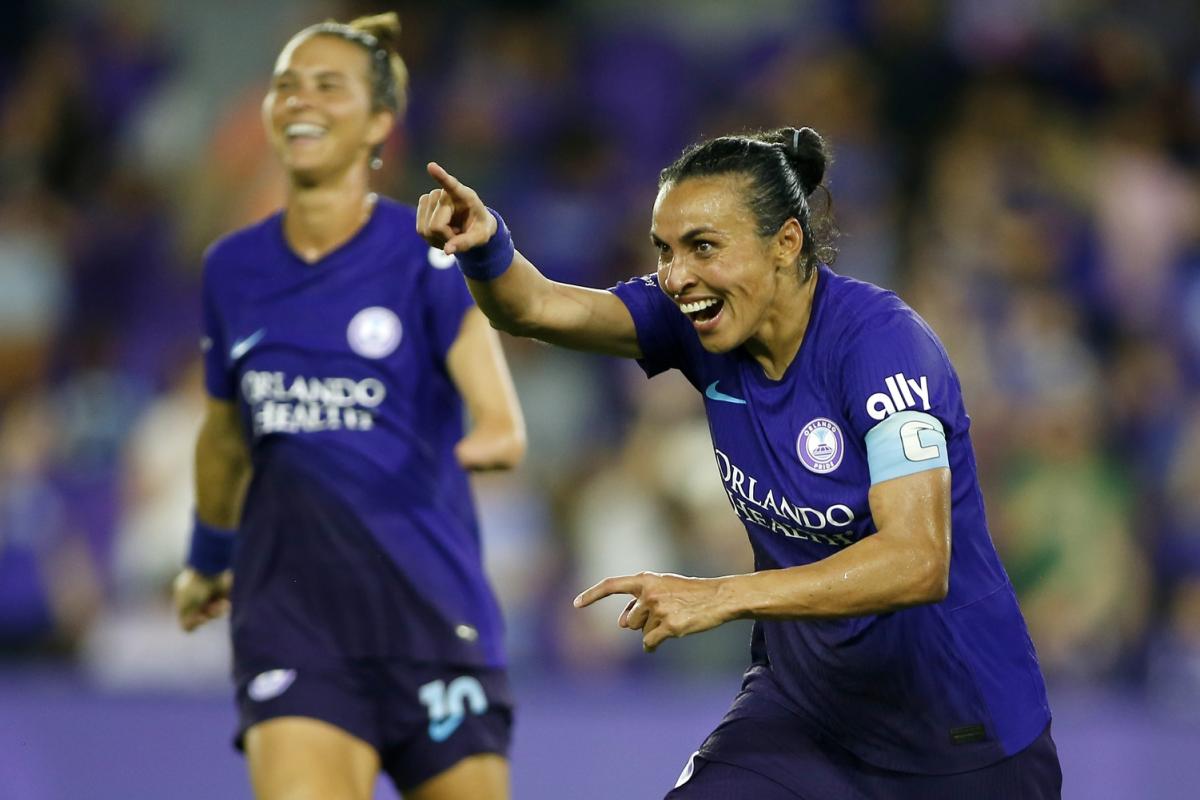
(623, 620)
(435, 212)
(199, 598)
(658, 633)
(621, 584)
(450, 183)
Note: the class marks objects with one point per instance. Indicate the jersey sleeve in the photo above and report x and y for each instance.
(219, 378)
(901, 396)
(657, 321)
(447, 300)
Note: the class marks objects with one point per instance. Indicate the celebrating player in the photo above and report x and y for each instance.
(889, 657)
(340, 349)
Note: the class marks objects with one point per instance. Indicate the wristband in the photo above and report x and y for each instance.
(489, 260)
(211, 549)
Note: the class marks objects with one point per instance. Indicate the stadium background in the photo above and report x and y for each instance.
(1025, 173)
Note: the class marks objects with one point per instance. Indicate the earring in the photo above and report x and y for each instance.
(376, 163)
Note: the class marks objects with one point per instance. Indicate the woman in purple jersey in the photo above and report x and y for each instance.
(739, 290)
(336, 93)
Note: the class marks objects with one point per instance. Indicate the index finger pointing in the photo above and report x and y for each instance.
(449, 182)
(621, 584)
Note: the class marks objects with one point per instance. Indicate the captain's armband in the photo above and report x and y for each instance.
(906, 443)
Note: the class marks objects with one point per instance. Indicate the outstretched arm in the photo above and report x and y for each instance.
(905, 563)
(522, 301)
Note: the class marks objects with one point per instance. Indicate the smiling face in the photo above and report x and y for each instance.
(712, 261)
(318, 112)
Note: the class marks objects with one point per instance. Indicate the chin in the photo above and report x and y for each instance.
(718, 344)
(306, 174)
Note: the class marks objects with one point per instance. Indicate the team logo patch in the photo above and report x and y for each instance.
(820, 446)
(270, 684)
(439, 260)
(374, 332)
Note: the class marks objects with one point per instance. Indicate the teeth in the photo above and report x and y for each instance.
(297, 129)
(699, 305)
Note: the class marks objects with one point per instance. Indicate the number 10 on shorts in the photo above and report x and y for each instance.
(448, 704)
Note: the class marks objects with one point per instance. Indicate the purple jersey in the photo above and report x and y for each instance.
(339, 370)
(938, 688)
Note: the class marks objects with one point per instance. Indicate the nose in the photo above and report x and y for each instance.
(293, 102)
(675, 277)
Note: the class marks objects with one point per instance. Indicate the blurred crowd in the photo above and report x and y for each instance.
(1026, 173)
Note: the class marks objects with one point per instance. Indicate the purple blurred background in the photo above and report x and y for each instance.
(1025, 173)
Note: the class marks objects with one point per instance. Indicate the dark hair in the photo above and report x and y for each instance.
(785, 167)
(379, 35)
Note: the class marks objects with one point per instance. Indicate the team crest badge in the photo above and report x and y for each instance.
(374, 332)
(820, 446)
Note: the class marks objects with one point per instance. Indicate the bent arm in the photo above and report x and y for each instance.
(477, 367)
(223, 466)
(906, 562)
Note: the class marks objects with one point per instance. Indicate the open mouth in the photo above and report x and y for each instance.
(303, 130)
(704, 310)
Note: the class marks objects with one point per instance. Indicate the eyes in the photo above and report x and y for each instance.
(703, 248)
(325, 84)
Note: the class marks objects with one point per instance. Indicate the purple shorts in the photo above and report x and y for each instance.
(421, 718)
(762, 750)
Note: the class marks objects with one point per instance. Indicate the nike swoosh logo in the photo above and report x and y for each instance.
(242, 346)
(440, 730)
(712, 394)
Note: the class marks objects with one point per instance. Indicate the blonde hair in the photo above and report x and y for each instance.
(379, 35)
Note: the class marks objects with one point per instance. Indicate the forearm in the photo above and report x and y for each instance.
(872, 576)
(523, 302)
(510, 300)
(223, 471)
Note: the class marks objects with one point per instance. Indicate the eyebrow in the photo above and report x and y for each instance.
(292, 72)
(688, 237)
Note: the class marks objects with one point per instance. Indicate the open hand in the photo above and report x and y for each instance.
(453, 217)
(663, 605)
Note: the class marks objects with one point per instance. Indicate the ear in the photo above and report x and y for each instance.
(380, 127)
(789, 242)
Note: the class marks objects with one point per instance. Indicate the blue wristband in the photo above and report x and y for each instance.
(489, 260)
(211, 550)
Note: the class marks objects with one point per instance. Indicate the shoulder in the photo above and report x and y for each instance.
(399, 220)
(862, 315)
(395, 212)
(244, 244)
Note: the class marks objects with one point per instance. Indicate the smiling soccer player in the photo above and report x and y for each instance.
(340, 351)
(889, 657)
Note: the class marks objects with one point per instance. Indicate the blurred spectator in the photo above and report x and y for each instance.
(49, 582)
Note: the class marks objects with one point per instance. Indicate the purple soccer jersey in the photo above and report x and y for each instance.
(339, 371)
(939, 688)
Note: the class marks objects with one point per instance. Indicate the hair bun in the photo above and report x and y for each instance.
(808, 155)
(384, 27)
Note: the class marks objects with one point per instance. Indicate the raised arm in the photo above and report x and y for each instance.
(521, 301)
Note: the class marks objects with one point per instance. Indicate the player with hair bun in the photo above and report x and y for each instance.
(339, 351)
(889, 656)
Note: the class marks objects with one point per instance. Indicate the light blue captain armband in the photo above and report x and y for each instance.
(904, 444)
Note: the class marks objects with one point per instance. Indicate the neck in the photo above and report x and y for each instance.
(782, 330)
(320, 218)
